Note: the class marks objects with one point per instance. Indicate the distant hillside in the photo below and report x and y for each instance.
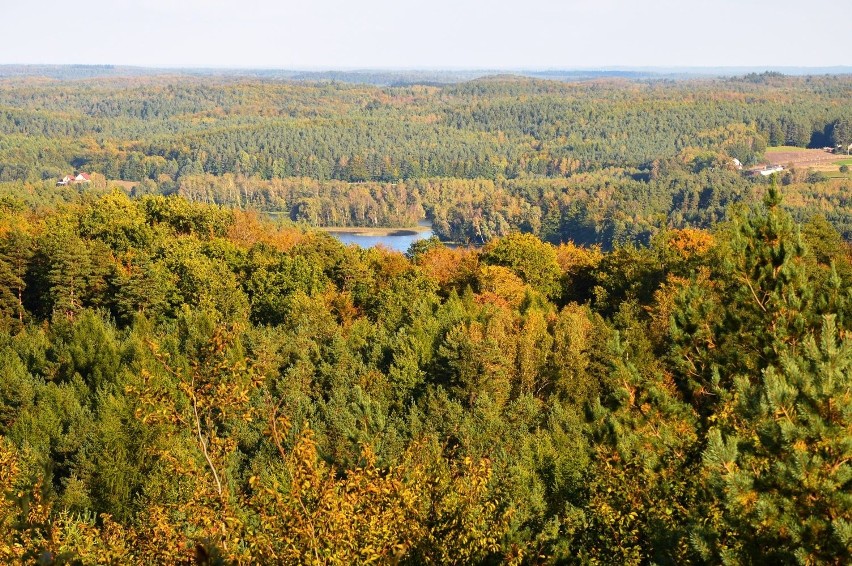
(385, 77)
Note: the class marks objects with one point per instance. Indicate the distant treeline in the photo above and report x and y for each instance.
(502, 127)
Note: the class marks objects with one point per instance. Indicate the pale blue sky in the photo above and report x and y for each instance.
(494, 34)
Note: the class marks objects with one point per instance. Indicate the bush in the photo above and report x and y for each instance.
(817, 177)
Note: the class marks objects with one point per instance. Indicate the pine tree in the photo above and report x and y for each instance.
(768, 291)
(757, 303)
(69, 275)
(15, 254)
(783, 476)
(644, 441)
(757, 348)
(842, 134)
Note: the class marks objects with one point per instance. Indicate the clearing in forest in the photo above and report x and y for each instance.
(817, 159)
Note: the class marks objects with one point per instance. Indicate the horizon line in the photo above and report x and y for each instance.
(367, 68)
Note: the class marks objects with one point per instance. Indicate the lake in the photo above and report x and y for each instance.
(394, 239)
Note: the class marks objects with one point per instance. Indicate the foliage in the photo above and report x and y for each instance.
(647, 361)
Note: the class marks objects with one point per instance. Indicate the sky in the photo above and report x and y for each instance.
(427, 34)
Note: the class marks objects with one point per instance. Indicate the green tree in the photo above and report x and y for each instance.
(15, 254)
(781, 465)
(70, 275)
(761, 305)
(529, 258)
(842, 134)
(643, 438)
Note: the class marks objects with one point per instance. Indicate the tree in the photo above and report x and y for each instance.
(192, 403)
(15, 254)
(579, 350)
(761, 304)
(643, 438)
(69, 276)
(842, 134)
(528, 257)
(780, 467)
(477, 358)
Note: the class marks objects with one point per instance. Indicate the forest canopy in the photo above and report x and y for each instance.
(185, 382)
(619, 348)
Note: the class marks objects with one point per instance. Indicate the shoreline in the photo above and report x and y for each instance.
(375, 232)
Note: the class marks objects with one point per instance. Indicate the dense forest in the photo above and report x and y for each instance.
(619, 349)
(605, 161)
(184, 382)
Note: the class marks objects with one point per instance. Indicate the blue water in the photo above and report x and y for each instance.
(399, 241)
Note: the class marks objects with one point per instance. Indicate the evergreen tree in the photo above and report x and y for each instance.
(781, 464)
(644, 442)
(69, 275)
(15, 254)
(758, 304)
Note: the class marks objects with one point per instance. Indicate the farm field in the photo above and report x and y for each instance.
(817, 159)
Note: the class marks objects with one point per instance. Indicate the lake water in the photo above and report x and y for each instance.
(399, 240)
